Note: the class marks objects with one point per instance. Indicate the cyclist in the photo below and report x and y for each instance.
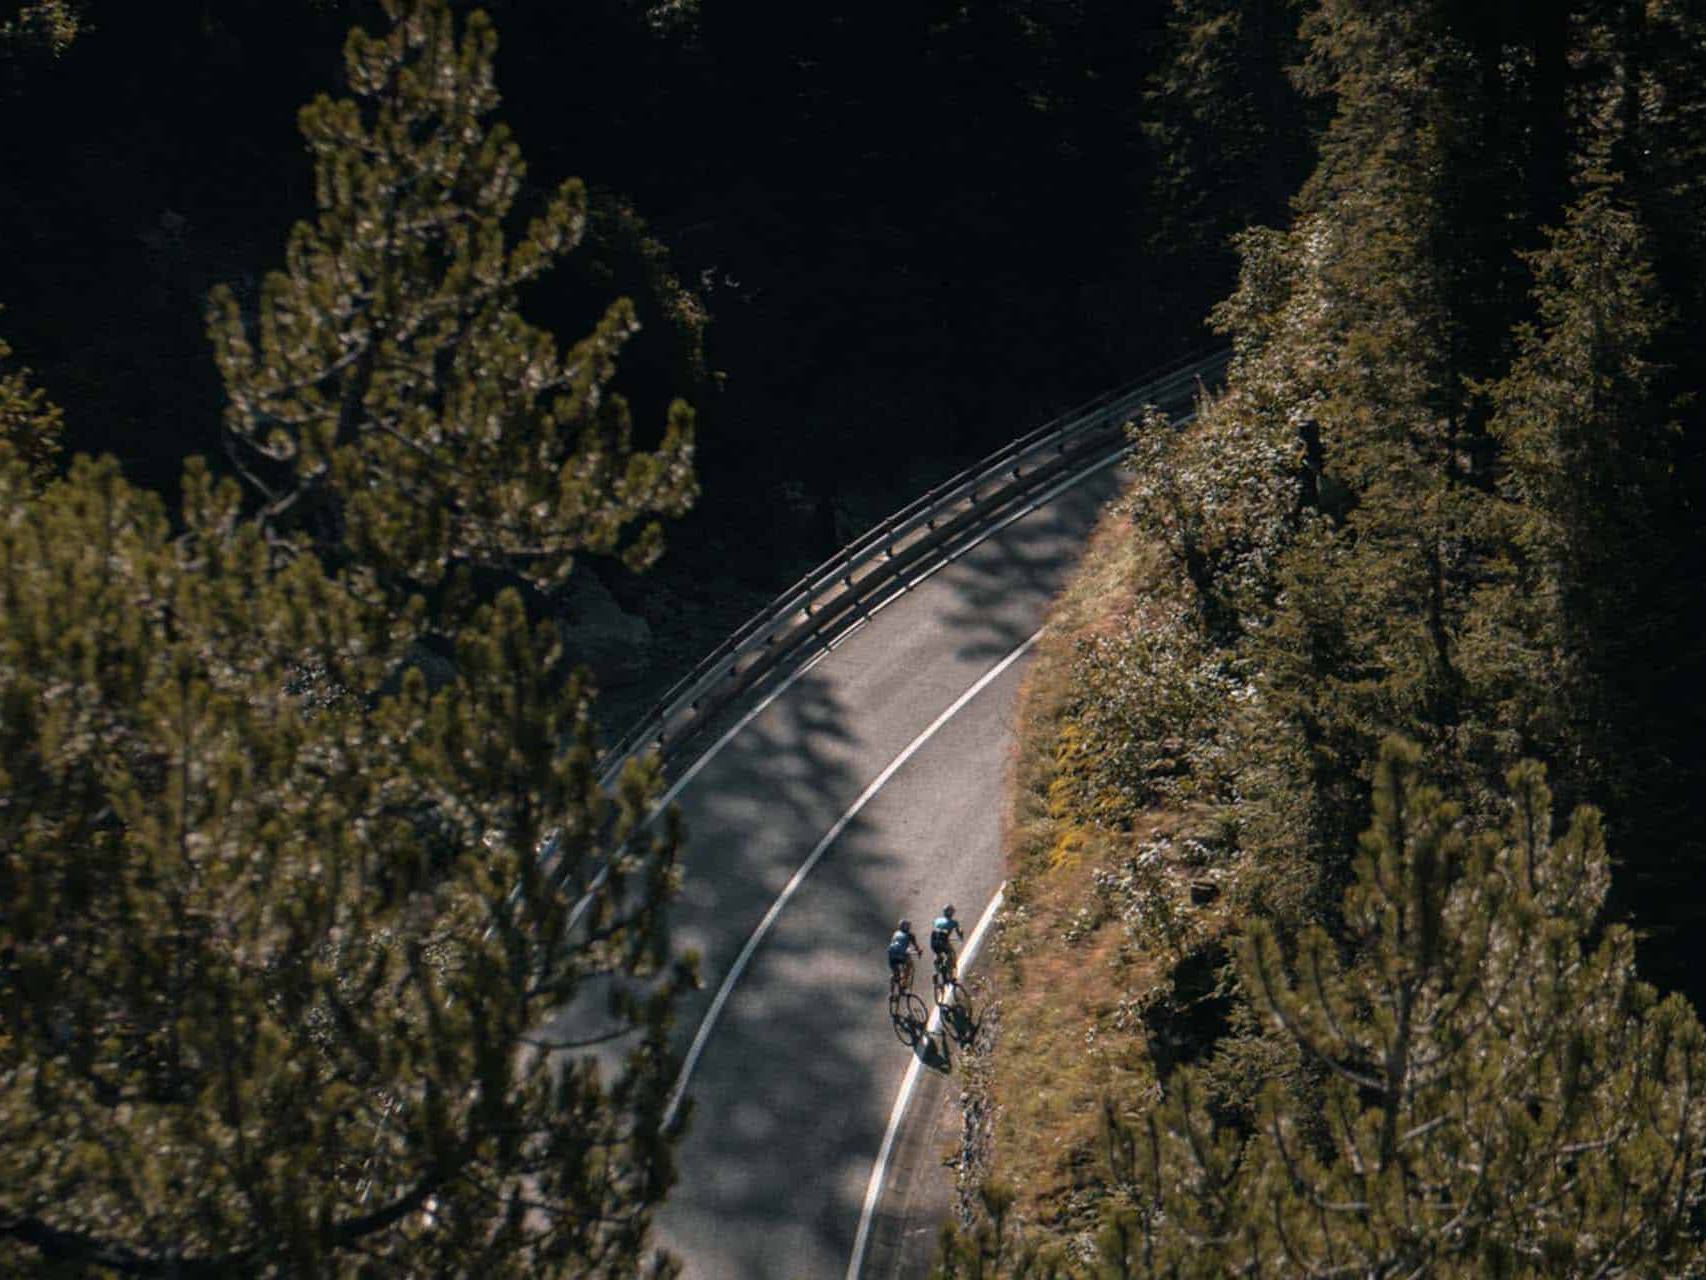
(900, 964)
(941, 933)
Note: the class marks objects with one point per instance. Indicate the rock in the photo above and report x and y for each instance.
(598, 633)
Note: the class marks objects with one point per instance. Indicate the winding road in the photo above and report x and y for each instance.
(869, 786)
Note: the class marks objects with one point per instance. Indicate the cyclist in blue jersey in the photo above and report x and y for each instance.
(941, 934)
(900, 962)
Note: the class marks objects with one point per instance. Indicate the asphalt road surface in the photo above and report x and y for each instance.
(796, 1079)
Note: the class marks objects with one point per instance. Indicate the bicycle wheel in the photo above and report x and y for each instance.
(900, 986)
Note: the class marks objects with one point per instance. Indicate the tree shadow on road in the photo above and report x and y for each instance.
(783, 1102)
(1004, 585)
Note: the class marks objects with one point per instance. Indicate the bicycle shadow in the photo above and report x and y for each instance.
(910, 1020)
(932, 1037)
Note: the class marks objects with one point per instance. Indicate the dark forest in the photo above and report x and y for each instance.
(1442, 524)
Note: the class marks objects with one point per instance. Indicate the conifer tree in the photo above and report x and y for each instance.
(1492, 1091)
(274, 961)
(30, 423)
(1228, 129)
(42, 27)
(387, 398)
(1357, 331)
(1586, 445)
(283, 933)
(1644, 62)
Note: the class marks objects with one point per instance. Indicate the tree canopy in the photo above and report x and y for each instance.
(30, 424)
(407, 410)
(282, 930)
(1425, 507)
(1488, 1089)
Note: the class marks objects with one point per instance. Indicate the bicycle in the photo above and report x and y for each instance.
(900, 985)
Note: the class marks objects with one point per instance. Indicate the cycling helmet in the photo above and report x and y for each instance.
(905, 925)
(948, 910)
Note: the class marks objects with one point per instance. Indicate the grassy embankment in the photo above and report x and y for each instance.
(1110, 962)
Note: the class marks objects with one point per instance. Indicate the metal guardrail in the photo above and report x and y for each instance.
(826, 599)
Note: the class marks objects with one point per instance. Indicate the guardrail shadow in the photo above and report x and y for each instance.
(780, 782)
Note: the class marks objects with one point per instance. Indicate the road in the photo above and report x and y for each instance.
(796, 1078)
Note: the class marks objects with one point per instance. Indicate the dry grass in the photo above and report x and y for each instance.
(1116, 577)
(1051, 1068)
(1073, 982)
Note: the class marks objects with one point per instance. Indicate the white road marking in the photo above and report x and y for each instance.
(903, 1099)
(709, 1022)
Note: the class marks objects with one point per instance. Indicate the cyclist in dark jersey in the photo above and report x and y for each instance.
(940, 938)
(899, 946)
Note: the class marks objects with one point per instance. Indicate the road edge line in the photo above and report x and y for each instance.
(903, 1100)
(708, 1023)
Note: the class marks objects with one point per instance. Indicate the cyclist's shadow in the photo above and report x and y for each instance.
(959, 1021)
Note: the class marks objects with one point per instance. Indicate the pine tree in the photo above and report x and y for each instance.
(286, 941)
(44, 27)
(1585, 451)
(30, 423)
(1228, 129)
(1645, 64)
(274, 959)
(34, 35)
(1496, 1092)
(1358, 333)
(388, 400)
